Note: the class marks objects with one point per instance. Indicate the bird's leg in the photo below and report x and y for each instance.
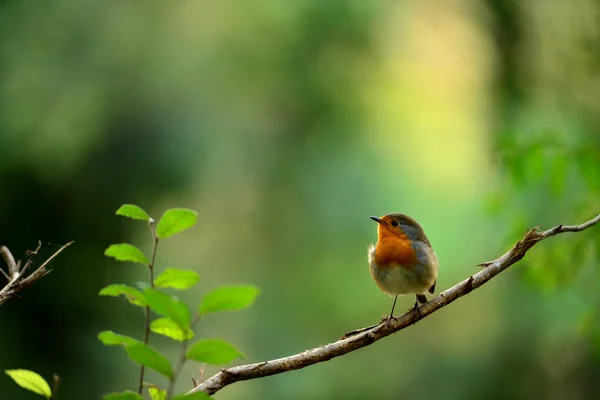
(391, 316)
(416, 308)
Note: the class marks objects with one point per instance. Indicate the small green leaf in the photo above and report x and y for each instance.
(175, 220)
(132, 211)
(195, 396)
(177, 278)
(31, 381)
(126, 252)
(109, 338)
(214, 351)
(144, 355)
(132, 294)
(169, 328)
(168, 306)
(157, 393)
(126, 395)
(229, 298)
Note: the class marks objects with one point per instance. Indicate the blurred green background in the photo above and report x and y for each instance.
(286, 124)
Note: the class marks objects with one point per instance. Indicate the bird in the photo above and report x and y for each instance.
(402, 261)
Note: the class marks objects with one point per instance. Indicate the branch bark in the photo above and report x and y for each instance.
(365, 336)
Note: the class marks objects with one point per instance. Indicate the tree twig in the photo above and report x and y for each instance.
(13, 269)
(17, 280)
(32, 254)
(363, 337)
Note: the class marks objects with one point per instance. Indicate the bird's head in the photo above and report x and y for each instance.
(400, 226)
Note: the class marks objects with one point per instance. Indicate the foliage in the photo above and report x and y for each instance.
(176, 279)
(540, 170)
(126, 395)
(126, 252)
(133, 295)
(175, 319)
(31, 381)
(213, 351)
(228, 298)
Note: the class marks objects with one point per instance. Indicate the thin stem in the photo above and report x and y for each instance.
(178, 368)
(147, 324)
(34, 253)
(146, 337)
(55, 387)
(181, 360)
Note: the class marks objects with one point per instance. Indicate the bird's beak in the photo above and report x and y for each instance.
(378, 220)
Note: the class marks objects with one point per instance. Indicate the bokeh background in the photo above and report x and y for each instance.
(286, 124)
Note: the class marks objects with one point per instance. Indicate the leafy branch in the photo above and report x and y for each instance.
(175, 320)
(363, 337)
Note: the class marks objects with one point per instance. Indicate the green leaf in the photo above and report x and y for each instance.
(214, 351)
(132, 211)
(177, 278)
(31, 381)
(132, 294)
(195, 396)
(175, 220)
(168, 306)
(229, 298)
(169, 328)
(109, 338)
(157, 393)
(126, 395)
(126, 252)
(144, 355)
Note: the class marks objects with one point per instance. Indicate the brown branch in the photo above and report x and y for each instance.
(363, 337)
(17, 280)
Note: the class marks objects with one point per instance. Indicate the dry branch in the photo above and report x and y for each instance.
(365, 336)
(17, 280)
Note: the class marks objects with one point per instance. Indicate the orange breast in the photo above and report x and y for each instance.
(392, 250)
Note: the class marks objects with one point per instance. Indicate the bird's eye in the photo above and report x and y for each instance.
(395, 223)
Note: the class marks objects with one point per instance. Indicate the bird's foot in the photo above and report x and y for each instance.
(417, 311)
(387, 319)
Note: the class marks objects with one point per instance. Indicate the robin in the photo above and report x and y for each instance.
(402, 261)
